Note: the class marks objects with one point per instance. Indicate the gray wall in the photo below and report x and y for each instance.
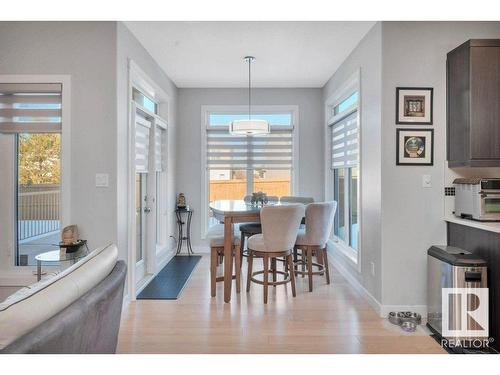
(414, 54)
(189, 138)
(95, 55)
(84, 50)
(367, 57)
(400, 218)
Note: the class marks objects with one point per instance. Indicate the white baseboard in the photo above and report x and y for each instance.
(382, 310)
(355, 283)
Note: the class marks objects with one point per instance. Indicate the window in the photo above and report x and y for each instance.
(144, 101)
(344, 152)
(32, 113)
(240, 165)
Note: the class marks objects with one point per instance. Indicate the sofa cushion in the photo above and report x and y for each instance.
(31, 306)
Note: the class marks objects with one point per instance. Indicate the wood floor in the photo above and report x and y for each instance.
(332, 319)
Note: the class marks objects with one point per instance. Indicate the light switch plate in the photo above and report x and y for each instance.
(102, 180)
(426, 181)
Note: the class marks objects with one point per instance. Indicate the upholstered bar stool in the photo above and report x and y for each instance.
(249, 229)
(296, 199)
(319, 222)
(280, 225)
(216, 254)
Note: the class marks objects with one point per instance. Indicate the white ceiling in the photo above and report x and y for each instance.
(288, 54)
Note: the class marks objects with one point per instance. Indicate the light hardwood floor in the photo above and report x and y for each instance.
(333, 318)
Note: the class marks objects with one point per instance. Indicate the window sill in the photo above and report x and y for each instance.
(346, 250)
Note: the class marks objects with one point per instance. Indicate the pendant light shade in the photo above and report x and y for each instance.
(250, 126)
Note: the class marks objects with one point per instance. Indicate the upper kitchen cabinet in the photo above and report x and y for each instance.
(473, 104)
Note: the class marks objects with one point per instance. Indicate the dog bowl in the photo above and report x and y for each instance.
(411, 317)
(408, 326)
(400, 317)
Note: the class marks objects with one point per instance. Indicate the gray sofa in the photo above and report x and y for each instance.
(90, 324)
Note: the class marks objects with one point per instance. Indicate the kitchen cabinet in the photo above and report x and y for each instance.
(473, 104)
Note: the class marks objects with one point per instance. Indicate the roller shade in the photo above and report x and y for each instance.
(344, 141)
(142, 127)
(30, 108)
(272, 151)
(160, 146)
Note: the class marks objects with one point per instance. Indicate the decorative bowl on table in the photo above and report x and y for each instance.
(72, 247)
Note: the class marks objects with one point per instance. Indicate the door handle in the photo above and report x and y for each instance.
(147, 210)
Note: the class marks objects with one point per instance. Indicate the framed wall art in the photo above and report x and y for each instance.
(414, 146)
(414, 105)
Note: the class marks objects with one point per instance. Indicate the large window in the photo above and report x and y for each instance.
(344, 152)
(32, 114)
(240, 165)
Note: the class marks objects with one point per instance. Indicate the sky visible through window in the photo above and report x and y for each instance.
(219, 119)
(346, 103)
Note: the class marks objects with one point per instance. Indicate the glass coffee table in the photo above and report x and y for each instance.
(56, 256)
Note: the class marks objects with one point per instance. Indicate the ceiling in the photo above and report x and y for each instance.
(288, 54)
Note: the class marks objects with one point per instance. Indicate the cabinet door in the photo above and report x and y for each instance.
(458, 151)
(485, 102)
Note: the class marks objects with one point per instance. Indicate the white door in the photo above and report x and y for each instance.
(144, 198)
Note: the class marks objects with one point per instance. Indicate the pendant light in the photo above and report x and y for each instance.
(250, 126)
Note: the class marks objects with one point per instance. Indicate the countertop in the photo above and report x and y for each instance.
(488, 226)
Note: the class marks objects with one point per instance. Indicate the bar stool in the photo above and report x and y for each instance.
(319, 222)
(216, 255)
(280, 225)
(249, 229)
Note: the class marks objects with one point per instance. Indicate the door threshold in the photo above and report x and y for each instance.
(143, 283)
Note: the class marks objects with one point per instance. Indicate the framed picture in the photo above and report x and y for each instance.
(414, 105)
(414, 146)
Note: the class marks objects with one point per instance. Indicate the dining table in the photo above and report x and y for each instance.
(231, 212)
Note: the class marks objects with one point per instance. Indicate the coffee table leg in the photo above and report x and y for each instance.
(38, 270)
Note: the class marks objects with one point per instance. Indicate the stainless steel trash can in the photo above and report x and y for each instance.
(451, 267)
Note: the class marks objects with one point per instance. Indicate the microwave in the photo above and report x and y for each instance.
(477, 198)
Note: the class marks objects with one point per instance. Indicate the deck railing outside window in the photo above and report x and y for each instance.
(38, 211)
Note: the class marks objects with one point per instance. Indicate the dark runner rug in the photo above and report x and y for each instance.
(172, 279)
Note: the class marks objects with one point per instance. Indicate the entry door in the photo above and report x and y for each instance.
(144, 197)
(141, 211)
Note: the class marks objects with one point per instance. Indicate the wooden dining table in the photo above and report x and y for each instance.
(231, 212)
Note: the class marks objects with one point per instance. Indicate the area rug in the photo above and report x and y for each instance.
(172, 279)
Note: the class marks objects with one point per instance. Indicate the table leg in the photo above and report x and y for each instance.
(179, 233)
(188, 234)
(228, 258)
(38, 270)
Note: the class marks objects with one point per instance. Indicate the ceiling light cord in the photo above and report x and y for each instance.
(249, 89)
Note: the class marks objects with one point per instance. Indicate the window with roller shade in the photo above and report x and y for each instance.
(240, 165)
(31, 113)
(344, 159)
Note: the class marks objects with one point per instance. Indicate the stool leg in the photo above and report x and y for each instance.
(309, 268)
(266, 276)
(273, 266)
(237, 267)
(319, 257)
(242, 247)
(285, 267)
(325, 262)
(292, 274)
(213, 270)
(303, 257)
(250, 266)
